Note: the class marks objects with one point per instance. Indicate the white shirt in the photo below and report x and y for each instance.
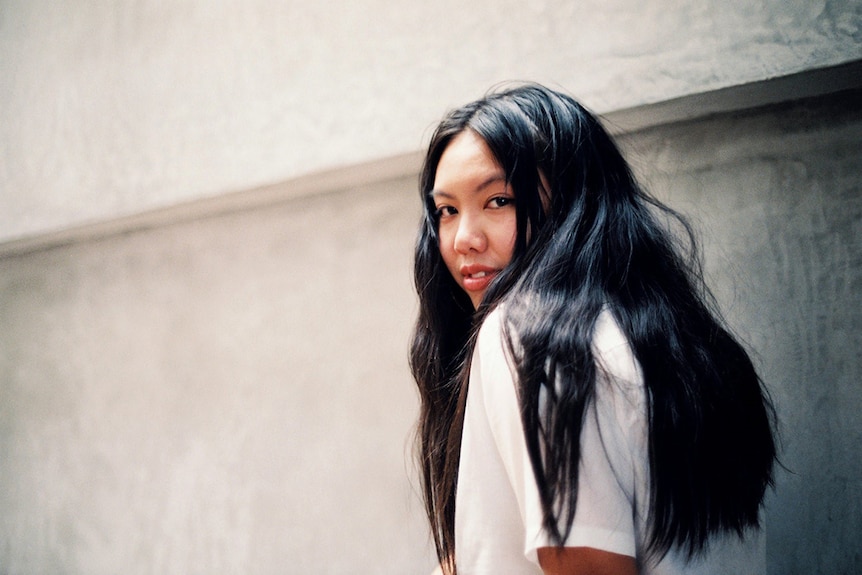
(498, 515)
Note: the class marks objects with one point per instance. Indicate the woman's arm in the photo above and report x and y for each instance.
(584, 561)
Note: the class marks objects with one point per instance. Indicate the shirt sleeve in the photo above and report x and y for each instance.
(612, 441)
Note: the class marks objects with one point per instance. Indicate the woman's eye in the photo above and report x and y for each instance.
(444, 211)
(501, 202)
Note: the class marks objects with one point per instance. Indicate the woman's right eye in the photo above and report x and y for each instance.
(445, 211)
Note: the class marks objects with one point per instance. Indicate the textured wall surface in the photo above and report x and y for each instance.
(110, 108)
(778, 199)
(223, 396)
(231, 395)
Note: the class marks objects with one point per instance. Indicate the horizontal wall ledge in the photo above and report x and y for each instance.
(799, 86)
(342, 178)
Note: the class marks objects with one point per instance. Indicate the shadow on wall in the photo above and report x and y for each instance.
(776, 193)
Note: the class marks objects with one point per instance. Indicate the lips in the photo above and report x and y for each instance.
(476, 278)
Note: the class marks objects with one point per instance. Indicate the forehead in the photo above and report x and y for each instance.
(466, 160)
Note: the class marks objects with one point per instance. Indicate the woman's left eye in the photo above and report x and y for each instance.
(501, 201)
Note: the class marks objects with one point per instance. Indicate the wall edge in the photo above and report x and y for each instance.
(797, 86)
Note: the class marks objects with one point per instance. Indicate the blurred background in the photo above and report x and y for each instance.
(207, 213)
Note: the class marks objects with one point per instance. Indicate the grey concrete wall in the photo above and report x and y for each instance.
(231, 395)
(777, 196)
(228, 395)
(111, 108)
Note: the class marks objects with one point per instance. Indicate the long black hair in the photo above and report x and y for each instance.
(588, 238)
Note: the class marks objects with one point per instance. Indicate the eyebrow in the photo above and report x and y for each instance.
(491, 180)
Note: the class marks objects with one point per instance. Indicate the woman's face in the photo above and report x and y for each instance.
(476, 214)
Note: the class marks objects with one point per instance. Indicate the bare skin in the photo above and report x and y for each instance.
(578, 561)
(584, 561)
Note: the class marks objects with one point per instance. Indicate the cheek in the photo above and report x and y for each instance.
(505, 238)
(446, 240)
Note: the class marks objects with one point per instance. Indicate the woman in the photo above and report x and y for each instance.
(583, 410)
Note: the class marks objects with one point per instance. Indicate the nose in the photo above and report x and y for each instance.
(470, 235)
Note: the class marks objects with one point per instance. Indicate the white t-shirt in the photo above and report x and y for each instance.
(498, 516)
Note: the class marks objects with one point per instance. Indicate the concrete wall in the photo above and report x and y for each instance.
(111, 108)
(222, 387)
(776, 195)
(230, 394)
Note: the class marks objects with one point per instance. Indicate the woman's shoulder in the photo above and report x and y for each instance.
(490, 341)
(610, 346)
(613, 351)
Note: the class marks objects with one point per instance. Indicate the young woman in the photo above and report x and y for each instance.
(583, 409)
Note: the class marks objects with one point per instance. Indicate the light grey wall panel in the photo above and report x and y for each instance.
(113, 108)
(221, 396)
